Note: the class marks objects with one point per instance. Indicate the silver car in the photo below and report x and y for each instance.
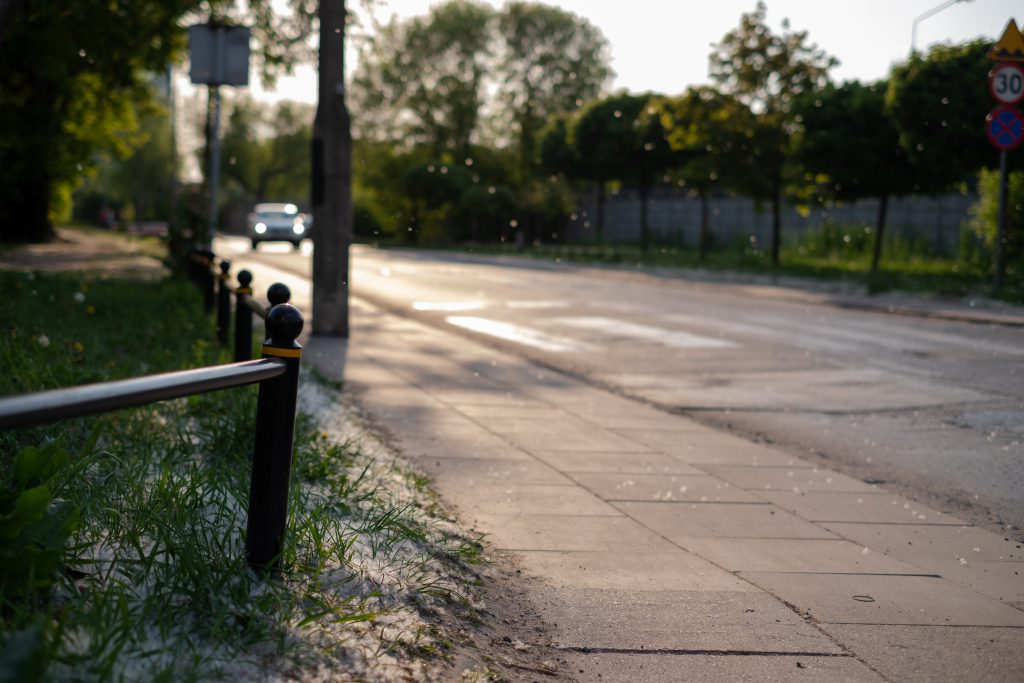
(277, 223)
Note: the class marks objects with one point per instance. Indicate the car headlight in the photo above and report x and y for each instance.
(260, 228)
(298, 228)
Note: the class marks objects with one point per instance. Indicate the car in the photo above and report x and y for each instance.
(277, 223)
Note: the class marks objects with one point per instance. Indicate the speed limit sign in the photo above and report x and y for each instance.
(1006, 82)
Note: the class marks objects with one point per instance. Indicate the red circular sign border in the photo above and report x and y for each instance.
(988, 127)
(992, 76)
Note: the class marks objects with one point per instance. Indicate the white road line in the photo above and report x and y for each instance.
(449, 306)
(519, 334)
(675, 338)
(537, 305)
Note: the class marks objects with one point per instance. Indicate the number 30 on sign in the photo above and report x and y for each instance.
(1006, 82)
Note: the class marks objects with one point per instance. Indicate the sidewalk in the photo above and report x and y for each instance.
(660, 549)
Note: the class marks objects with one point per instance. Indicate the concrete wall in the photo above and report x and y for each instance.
(675, 219)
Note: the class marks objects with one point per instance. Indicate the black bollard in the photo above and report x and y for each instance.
(278, 293)
(243, 317)
(206, 259)
(275, 433)
(223, 303)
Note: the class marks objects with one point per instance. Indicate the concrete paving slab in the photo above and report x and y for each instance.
(653, 420)
(517, 499)
(456, 441)
(922, 542)
(788, 479)
(387, 404)
(685, 667)
(980, 560)
(878, 508)
(712, 448)
(792, 555)
(562, 533)
(681, 488)
(571, 434)
(936, 653)
(671, 570)
(471, 471)
(593, 461)
(841, 389)
(677, 620)
(532, 410)
(886, 599)
(725, 520)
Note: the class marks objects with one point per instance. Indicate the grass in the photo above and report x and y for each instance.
(835, 253)
(139, 568)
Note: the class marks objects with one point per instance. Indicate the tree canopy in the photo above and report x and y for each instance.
(937, 102)
(72, 80)
(551, 62)
(767, 71)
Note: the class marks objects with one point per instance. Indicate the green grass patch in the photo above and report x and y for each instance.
(123, 534)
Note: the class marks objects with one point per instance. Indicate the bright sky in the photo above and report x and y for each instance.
(663, 45)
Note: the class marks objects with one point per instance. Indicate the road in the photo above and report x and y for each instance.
(932, 409)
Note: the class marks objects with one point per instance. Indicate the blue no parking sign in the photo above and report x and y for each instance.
(1004, 127)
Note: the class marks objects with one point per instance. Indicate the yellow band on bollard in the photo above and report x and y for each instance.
(243, 290)
(222, 277)
(281, 353)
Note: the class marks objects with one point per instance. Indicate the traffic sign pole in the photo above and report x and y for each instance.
(997, 279)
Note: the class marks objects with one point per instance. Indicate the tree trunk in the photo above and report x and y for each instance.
(600, 211)
(332, 180)
(883, 207)
(26, 176)
(776, 220)
(645, 231)
(705, 228)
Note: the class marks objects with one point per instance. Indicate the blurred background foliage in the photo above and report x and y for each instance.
(480, 124)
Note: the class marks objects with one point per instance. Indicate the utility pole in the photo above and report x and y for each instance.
(332, 179)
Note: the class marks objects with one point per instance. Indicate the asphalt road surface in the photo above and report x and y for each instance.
(928, 408)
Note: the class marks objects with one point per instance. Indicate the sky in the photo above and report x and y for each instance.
(663, 45)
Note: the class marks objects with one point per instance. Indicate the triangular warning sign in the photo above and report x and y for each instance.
(1009, 48)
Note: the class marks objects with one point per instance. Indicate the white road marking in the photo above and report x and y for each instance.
(536, 304)
(519, 334)
(450, 306)
(675, 338)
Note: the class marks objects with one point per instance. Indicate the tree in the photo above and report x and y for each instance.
(139, 181)
(421, 80)
(848, 136)
(936, 102)
(708, 131)
(612, 140)
(71, 84)
(767, 71)
(331, 180)
(552, 61)
(264, 167)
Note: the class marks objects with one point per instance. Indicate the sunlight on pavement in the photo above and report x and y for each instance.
(519, 334)
(676, 338)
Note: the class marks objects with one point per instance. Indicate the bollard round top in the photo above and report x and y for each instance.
(278, 293)
(284, 325)
(225, 266)
(244, 278)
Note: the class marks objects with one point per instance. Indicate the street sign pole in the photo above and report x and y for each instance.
(997, 280)
(1004, 125)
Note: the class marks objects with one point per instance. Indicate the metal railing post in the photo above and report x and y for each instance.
(243, 317)
(207, 257)
(223, 303)
(275, 432)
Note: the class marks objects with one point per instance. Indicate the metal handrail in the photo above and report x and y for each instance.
(278, 376)
(252, 305)
(58, 404)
